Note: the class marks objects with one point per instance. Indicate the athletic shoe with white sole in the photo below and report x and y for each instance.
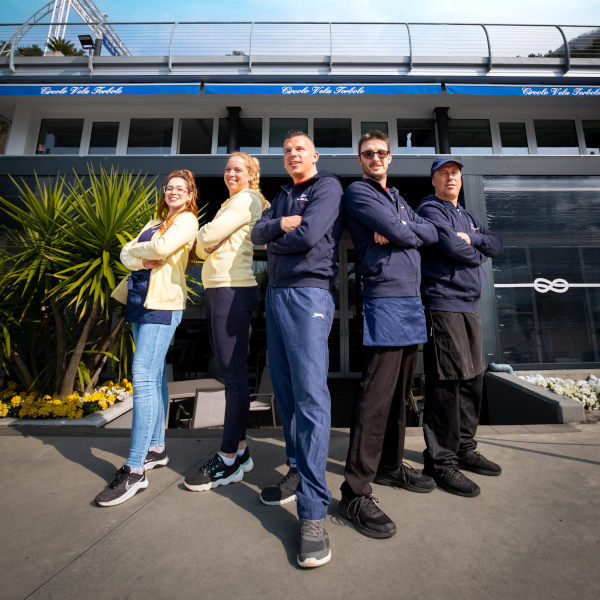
(246, 461)
(314, 549)
(213, 473)
(154, 460)
(125, 486)
(283, 492)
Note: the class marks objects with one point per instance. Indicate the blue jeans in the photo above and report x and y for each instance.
(150, 392)
(298, 325)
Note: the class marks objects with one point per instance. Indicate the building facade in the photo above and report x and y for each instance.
(525, 124)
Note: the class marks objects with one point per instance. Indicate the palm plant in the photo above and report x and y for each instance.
(58, 271)
(58, 44)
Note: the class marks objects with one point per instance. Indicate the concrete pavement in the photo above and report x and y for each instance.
(532, 533)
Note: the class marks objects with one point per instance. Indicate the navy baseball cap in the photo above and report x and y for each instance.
(438, 162)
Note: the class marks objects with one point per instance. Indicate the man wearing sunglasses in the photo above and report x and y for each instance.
(386, 234)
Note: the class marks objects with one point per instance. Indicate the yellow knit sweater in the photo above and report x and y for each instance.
(167, 289)
(231, 264)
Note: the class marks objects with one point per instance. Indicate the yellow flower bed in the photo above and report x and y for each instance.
(29, 406)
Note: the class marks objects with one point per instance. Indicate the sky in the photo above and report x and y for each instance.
(559, 12)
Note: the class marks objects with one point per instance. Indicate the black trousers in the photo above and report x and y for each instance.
(379, 416)
(451, 416)
(228, 314)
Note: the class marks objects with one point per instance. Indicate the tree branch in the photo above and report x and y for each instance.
(26, 377)
(105, 346)
(66, 389)
(61, 347)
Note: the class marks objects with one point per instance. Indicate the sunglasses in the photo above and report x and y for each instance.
(369, 154)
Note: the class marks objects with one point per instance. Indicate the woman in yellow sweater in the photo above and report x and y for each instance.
(231, 297)
(155, 294)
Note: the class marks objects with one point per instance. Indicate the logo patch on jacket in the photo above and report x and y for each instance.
(303, 198)
(473, 228)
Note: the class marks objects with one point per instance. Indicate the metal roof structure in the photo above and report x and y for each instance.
(321, 52)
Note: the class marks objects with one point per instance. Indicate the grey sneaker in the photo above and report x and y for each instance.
(314, 549)
(154, 460)
(283, 492)
(125, 486)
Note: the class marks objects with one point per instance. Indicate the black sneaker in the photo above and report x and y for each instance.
(407, 478)
(125, 486)
(213, 473)
(454, 482)
(314, 549)
(154, 460)
(367, 517)
(473, 461)
(283, 492)
(246, 461)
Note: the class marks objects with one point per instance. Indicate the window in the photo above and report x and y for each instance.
(250, 136)
(591, 132)
(60, 136)
(470, 136)
(195, 136)
(333, 136)
(150, 136)
(278, 129)
(513, 138)
(549, 239)
(416, 136)
(104, 138)
(368, 126)
(556, 137)
(4, 128)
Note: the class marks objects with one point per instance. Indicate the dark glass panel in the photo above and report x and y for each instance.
(470, 136)
(333, 136)
(150, 136)
(278, 130)
(556, 137)
(416, 136)
(591, 132)
(513, 137)
(60, 136)
(104, 138)
(195, 136)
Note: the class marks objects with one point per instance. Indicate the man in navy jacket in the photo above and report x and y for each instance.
(451, 288)
(302, 231)
(386, 234)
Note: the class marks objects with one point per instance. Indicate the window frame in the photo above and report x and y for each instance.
(86, 136)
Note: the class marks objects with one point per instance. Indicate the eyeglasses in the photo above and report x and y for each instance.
(369, 154)
(169, 189)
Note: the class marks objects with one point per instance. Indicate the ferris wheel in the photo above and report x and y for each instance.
(90, 15)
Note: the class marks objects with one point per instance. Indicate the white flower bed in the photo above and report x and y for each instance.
(587, 392)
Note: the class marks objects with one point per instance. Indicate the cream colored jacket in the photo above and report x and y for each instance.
(231, 264)
(167, 289)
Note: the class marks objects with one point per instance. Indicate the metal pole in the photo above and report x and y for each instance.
(409, 48)
(171, 44)
(250, 51)
(567, 50)
(330, 49)
(487, 35)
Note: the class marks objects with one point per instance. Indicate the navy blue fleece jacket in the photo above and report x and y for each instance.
(452, 271)
(308, 255)
(391, 270)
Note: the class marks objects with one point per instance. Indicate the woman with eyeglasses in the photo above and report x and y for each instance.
(155, 294)
(231, 297)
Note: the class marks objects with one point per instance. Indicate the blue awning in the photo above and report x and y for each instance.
(327, 89)
(95, 89)
(524, 90)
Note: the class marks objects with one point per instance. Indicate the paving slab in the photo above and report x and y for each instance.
(532, 533)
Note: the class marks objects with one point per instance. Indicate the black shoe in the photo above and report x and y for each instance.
(283, 492)
(213, 473)
(367, 517)
(407, 478)
(125, 486)
(473, 461)
(314, 549)
(246, 461)
(154, 460)
(454, 482)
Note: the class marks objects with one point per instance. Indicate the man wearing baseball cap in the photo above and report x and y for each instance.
(452, 278)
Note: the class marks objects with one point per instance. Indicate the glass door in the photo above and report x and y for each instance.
(345, 340)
